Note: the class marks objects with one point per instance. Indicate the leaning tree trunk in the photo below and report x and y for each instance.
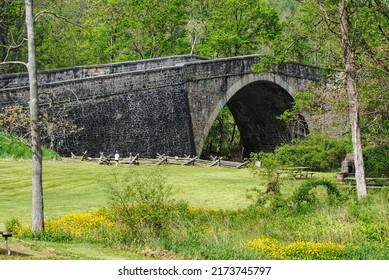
(37, 190)
(353, 101)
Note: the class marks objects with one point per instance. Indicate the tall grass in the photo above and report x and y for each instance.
(14, 147)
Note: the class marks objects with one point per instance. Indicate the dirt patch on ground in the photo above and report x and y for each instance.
(159, 254)
(24, 250)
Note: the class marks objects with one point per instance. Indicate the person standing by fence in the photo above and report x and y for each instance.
(116, 156)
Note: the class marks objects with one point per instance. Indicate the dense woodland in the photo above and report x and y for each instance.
(81, 32)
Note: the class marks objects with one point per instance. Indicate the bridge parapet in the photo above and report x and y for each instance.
(71, 73)
(304, 71)
(216, 68)
(208, 69)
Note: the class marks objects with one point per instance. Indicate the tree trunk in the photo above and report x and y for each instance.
(348, 54)
(37, 190)
(233, 135)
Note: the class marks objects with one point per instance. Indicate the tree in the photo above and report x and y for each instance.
(37, 189)
(104, 31)
(58, 32)
(11, 33)
(352, 91)
(117, 30)
(352, 36)
(157, 28)
(306, 38)
(239, 27)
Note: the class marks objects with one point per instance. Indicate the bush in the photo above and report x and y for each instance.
(267, 201)
(377, 161)
(12, 225)
(304, 192)
(142, 203)
(267, 169)
(318, 151)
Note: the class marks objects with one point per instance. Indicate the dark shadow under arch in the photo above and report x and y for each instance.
(255, 108)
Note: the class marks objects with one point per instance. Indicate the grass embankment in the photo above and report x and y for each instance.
(219, 222)
(14, 147)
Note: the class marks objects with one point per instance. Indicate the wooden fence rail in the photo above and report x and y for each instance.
(163, 159)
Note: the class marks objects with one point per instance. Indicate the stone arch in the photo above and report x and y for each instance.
(234, 98)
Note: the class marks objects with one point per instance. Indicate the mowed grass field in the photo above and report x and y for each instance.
(349, 228)
(75, 186)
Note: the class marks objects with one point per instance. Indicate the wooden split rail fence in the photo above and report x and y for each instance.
(163, 159)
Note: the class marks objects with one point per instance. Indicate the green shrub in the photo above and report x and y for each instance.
(268, 167)
(142, 202)
(267, 201)
(12, 225)
(304, 194)
(317, 151)
(377, 161)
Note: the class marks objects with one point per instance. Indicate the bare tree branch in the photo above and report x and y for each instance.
(44, 12)
(9, 48)
(14, 46)
(13, 62)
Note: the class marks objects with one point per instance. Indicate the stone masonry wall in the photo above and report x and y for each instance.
(167, 108)
(64, 74)
(142, 112)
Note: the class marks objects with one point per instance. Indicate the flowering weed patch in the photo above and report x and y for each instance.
(91, 226)
(298, 250)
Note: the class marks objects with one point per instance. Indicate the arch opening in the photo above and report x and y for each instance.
(254, 110)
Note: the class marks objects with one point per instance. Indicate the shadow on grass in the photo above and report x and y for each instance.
(4, 253)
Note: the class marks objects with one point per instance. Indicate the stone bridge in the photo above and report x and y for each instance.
(165, 105)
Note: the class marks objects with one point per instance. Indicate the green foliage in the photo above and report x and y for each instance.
(12, 225)
(285, 8)
(223, 139)
(304, 193)
(14, 147)
(266, 165)
(377, 161)
(49, 236)
(312, 36)
(329, 231)
(141, 202)
(268, 202)
(58, 33)
(120, 30)
(318, 151)
(11, 33)
(308, 38)
(238, 28)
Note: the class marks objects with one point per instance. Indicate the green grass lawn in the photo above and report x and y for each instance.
(74, 186)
